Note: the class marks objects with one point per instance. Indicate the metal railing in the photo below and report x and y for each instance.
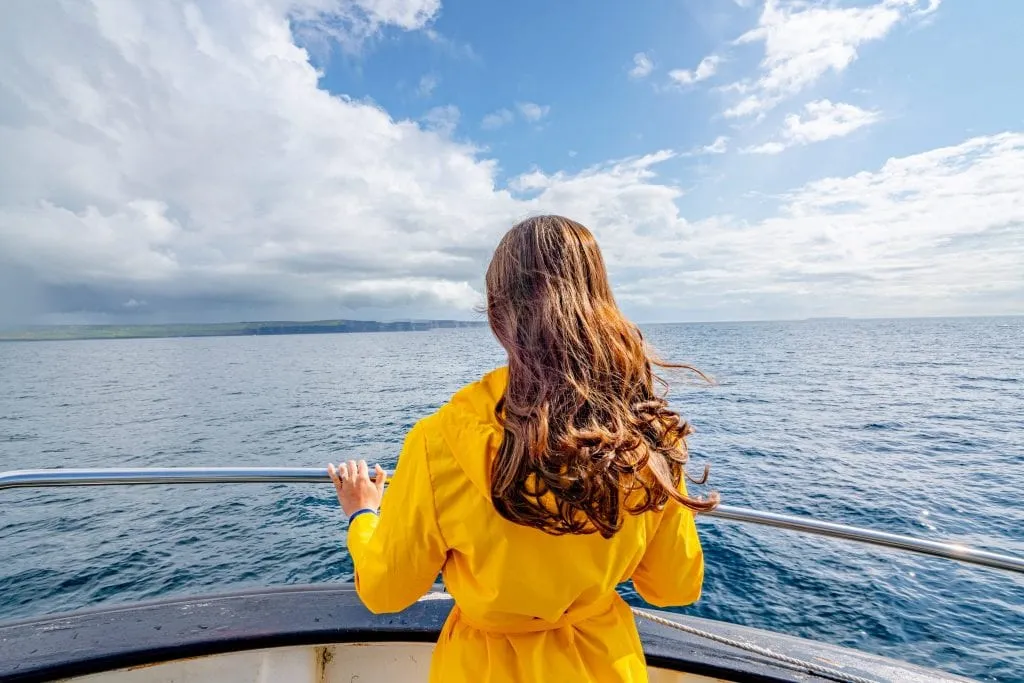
(316, 475)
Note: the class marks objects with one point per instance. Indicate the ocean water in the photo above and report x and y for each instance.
(910, 426)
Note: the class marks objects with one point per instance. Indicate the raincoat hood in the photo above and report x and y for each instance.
(471, 428)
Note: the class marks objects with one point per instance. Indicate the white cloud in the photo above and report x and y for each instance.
(444, 119)
(529, 111)
(633, 216)
(350, 22)
(532, 111)
(826, 120)
(941, 232)
(752, 104)
(705, 70)
(823, 120)
(402, 290)
(766, 148)
(187, 158)
(497, 119)
(189, 161)
(804, 41)
(719, 146)
(407, 14)
(456, 49)
(642, 66)
(427, 84)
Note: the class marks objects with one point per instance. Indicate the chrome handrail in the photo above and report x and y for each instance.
(317, 475)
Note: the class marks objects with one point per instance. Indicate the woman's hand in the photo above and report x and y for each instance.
(356, 491)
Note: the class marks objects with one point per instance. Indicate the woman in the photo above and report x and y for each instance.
(540, 487)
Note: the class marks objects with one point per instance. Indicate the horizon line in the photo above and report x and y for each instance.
(484, 321)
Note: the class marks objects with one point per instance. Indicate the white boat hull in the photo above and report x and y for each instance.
(360, 662)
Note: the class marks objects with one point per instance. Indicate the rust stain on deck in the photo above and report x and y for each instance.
(323, 655)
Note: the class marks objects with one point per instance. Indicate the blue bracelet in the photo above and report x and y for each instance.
(360, 512)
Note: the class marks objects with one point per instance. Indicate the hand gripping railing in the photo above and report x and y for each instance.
(316, 475)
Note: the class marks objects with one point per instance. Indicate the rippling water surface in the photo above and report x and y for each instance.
(913, 427)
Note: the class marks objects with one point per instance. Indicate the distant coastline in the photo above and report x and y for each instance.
(265, 328)
(240, 329)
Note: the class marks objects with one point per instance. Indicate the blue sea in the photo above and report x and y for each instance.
(910, 426)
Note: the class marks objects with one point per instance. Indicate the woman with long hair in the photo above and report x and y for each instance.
(538, 489)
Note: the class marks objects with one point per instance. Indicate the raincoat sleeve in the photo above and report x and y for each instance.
(398, 555)
(671, 571)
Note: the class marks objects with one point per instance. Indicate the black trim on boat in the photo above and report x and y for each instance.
(121, 636)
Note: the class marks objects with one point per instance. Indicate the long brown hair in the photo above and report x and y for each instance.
(585, 434)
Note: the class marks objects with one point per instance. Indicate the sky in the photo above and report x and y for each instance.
(303, 159)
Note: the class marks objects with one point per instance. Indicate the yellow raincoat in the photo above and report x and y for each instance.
(529, 606)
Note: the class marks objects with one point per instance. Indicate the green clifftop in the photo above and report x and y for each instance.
(58, 332)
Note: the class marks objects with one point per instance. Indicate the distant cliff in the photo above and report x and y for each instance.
(57, 332)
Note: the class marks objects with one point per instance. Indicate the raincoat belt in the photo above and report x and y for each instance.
(571, 617)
